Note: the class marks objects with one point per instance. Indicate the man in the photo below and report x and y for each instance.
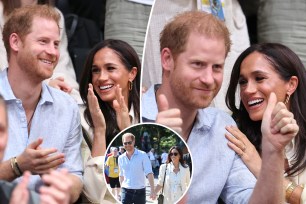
(134, 167)
(64, 77)
(235, 22)
(57, 185)
(152, 158)
(121, 150)
(193, 47)
(164, 157)
(45, 131)
(113, 169)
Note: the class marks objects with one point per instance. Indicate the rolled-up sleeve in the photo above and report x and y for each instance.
(240, 183)
(147, 165)
(72, 149)
(120, 166)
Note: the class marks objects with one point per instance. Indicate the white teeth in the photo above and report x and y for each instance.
(46, 61)
(105, 87)
(255, 101)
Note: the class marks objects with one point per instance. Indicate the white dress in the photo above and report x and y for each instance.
(175, 184)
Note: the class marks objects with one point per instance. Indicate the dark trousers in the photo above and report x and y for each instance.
(136, 196)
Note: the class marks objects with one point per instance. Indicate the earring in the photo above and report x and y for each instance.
(130, 85)
(287, 99)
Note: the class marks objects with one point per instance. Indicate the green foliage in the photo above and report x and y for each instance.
(159, 137)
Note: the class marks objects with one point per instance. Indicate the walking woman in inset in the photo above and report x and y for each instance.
(174, 176)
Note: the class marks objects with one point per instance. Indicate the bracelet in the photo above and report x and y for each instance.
(290, 188)
(14, 167)
(17, 166)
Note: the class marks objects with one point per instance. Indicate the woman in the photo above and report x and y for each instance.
(110, 90)
(260, 70)
(112, 164)
(177, 176)
(113, 68)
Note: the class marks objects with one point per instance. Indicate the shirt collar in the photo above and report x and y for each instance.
(202, 120)
(7, 91)
(46, 96)
(8, 94)
(171, 166)
(135, 153)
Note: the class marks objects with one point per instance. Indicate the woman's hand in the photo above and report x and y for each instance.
(99, 140)
(122, 111)
(94, 108)
(59, 83)
(245, 149)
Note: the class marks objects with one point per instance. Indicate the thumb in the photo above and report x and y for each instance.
(36, 143)
(269, 109)
(162, 103)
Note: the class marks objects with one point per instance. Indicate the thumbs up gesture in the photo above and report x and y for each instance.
(278, 126)
(168, 117)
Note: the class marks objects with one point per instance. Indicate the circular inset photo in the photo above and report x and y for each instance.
(146, 163)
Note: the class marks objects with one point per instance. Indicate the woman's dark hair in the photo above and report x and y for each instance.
(10, 5)
(287, 64)
(129, 58)
(180, 153)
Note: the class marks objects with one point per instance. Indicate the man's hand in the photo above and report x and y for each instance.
(38, 160)
(59, 83)
(168, 117)
(153, 195)
(20, 194)
(57, 187)
(278, 126)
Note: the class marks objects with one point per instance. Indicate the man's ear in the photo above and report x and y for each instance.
(14, 41)
(167, 59)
